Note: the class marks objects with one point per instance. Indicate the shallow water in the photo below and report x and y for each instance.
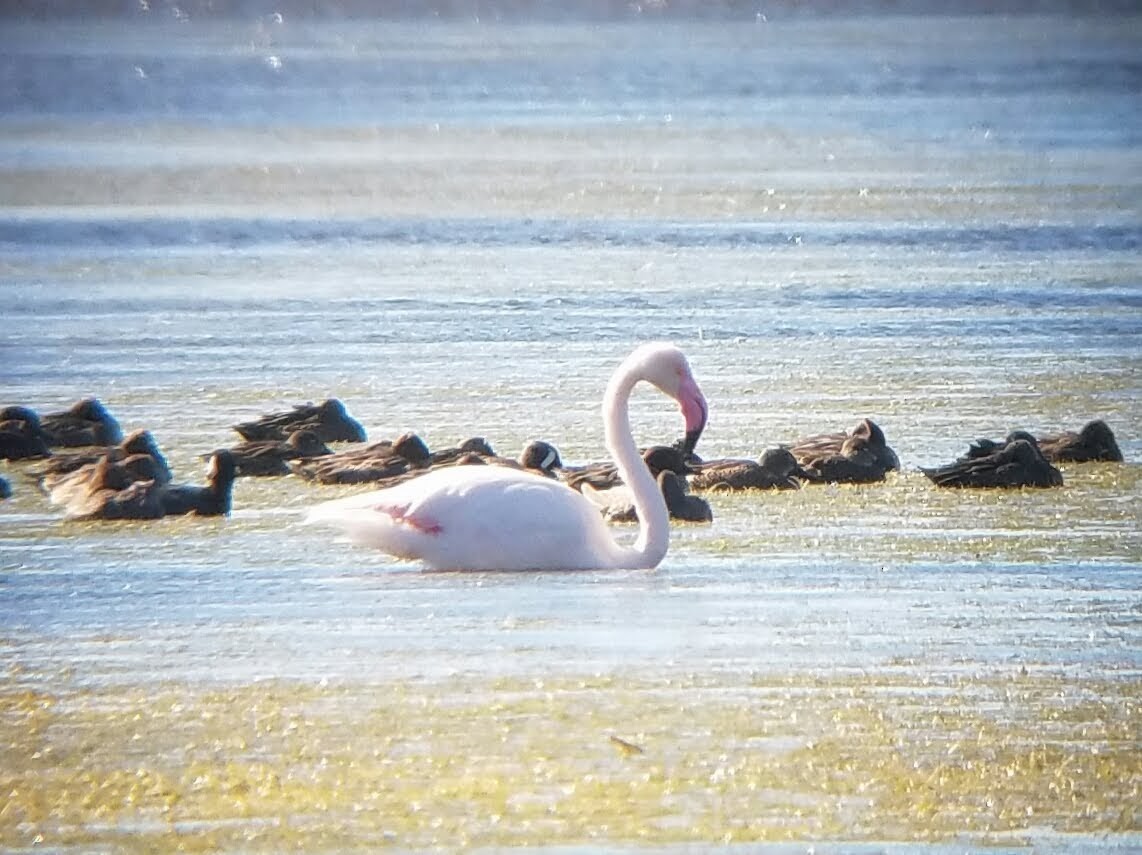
(459, 228)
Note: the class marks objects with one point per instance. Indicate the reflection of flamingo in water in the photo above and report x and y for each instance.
(499, 518)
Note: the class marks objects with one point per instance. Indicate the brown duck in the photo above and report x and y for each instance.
(1019, 463)
(1094, 442)
(108, 489)
(605, 476)
(21, 436)
(680, 504)
(136, 442)
(86, 422)
(376, 462)
(777, 469)
(329, 420)
(270, 457)
(862, 455)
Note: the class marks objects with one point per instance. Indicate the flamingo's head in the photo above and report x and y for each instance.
(666, 367)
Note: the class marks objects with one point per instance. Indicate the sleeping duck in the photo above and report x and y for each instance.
(604, 475)
(1094, 442)
(861, 455)
(329, 420)
(136, 442)
(86, 422)
(376, 462)
(777, 469)
(21, 435)
(269, 457)
(1018, 463)
(108, 489)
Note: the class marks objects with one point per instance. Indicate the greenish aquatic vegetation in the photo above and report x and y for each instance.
(614, 758)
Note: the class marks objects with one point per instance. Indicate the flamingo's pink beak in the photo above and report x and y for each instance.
(694, 411)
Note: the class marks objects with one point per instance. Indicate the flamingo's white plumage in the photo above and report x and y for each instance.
(499, 518)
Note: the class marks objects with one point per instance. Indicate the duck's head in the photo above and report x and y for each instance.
(1098, 436)
(307, 442)
(141, 442)
(477, 445)
(412, 448)
(339, 424)
(222, 468)
(540, 455)
(20, 414)
(1022, 436)
(666, 458)
(90, 409)
(781, 463)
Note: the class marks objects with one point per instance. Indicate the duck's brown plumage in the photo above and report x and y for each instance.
(1095, 441)
(136, 442)
(777, 469)
(854, 463)
(22, 439)
(86, 422)
(537, 456)
(680, 504)
(1018, 463)
(373, 463)
(270, 457)
(329, 420)
(108, 489)
(605, 475)
(861, 455)
(211, 500)
(387, 462)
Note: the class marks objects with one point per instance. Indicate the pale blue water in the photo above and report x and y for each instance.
(461, 227)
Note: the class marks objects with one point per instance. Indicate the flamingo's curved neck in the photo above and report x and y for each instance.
(654, 521)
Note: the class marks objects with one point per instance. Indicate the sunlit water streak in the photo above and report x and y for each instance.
(460, 230)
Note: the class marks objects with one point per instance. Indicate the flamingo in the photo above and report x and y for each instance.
(501, 518)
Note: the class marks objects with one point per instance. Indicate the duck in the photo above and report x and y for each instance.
(857, 461)
(869, 445)
(210, 500)
(86, 422)
(777, 469)
(329, 420)
(680, 504)
(137, 501)
(376, 462)
(1018, 463)
(21, 436)
(604, 476)
(136, 442)
(473, 445)
(537, 456)
(1095, 441)
(270, 457)
(106, 471)
(986, 447)
(109, 489)
(542, 457)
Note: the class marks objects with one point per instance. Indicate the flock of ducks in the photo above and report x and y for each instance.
(88, 468)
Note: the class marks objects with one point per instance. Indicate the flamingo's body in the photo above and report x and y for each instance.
(419, 519)
(500, 518)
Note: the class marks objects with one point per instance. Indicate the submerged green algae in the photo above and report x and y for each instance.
(606, 758)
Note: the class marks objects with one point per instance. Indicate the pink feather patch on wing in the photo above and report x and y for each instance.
(400, 514)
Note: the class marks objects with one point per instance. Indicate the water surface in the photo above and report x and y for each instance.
(460, 228)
